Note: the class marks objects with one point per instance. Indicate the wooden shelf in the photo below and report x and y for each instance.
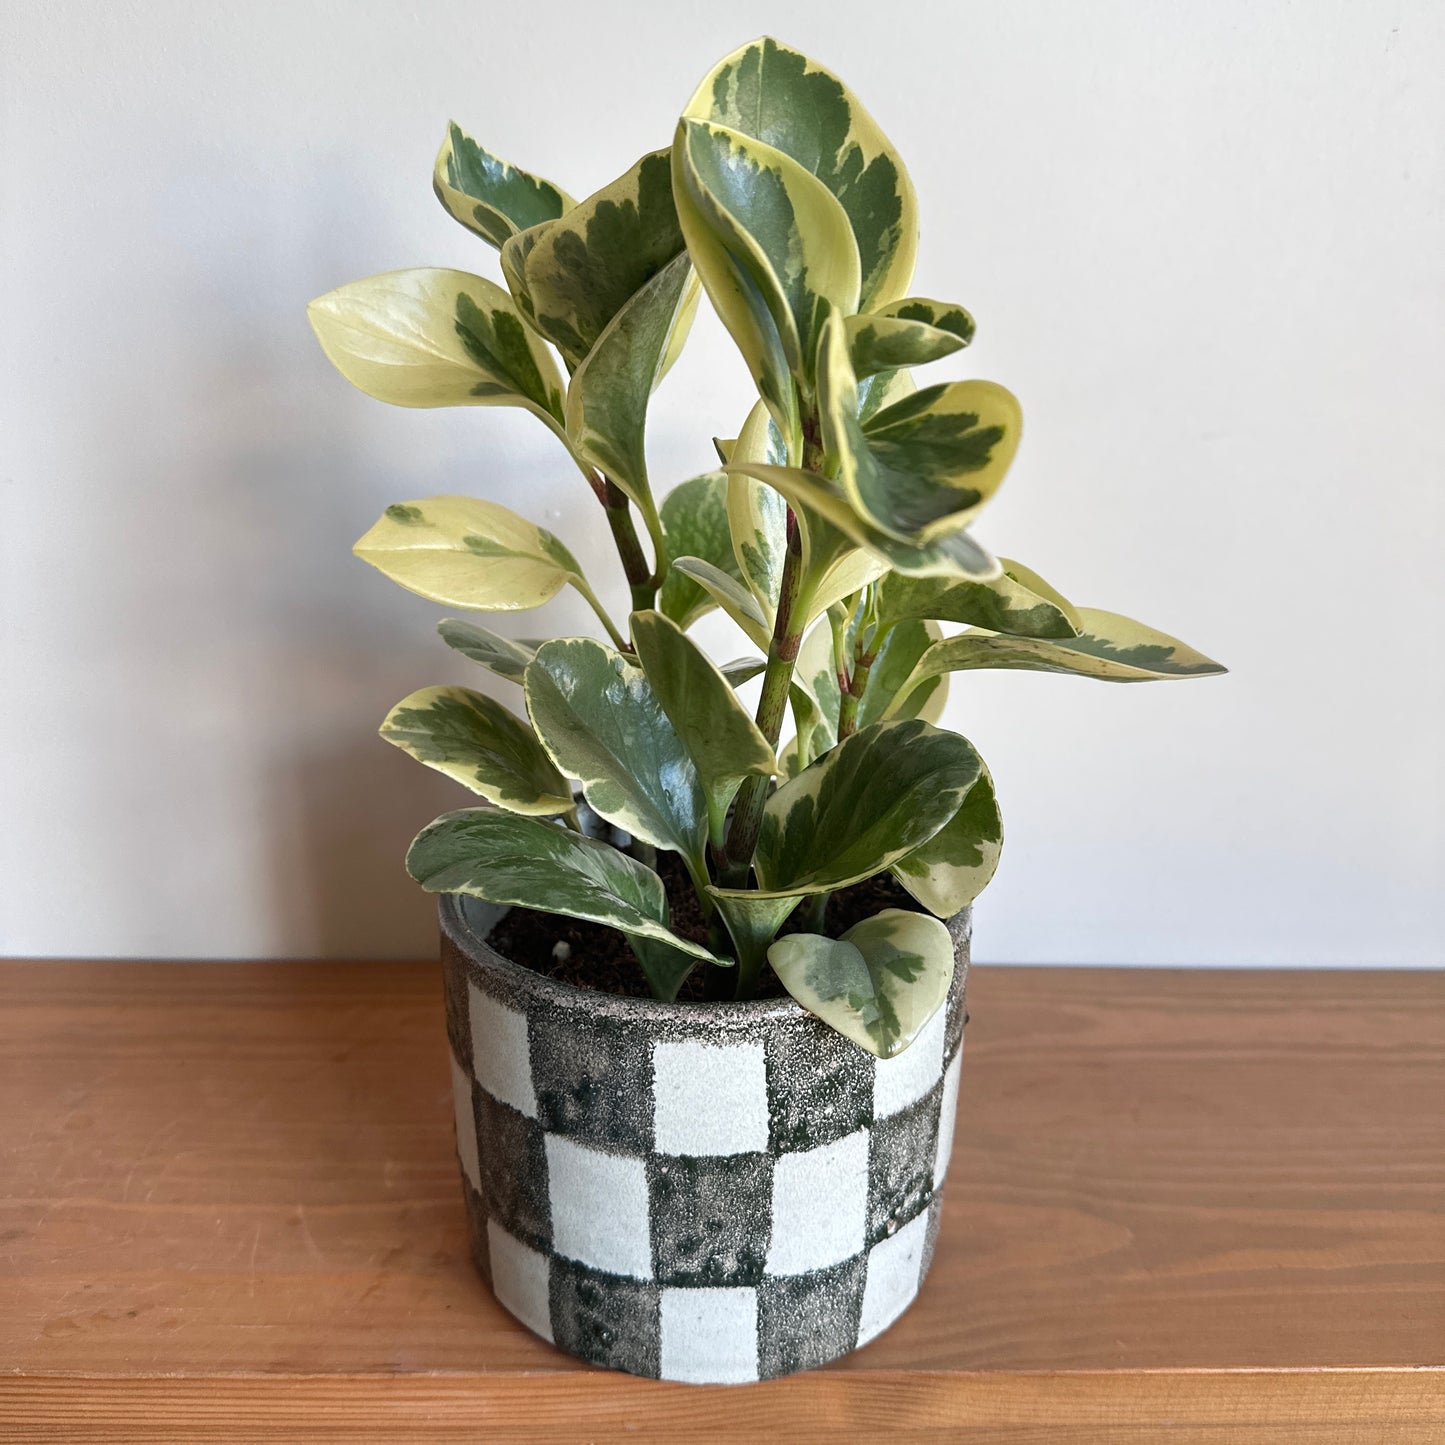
(1184, 1206)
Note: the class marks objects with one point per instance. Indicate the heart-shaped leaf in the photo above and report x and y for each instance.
(602, 723)
(526, 863)
(695, 524)
(778, 96)
(1110, 647)
(470, 553)
(481, 744)
(874, 798)
(878, 984)
(719, 734)
(500, 655)
(434, 337)
(950, 870)
(491, 198)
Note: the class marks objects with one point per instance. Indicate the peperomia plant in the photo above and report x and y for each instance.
(834, 534)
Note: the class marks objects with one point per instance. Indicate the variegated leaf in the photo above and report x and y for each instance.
(950, 870)
(602, 723)
(579, 271)
(695, 524)
(1114, 648)
(878, 984)
(470, 553)
(501, 655)
(876, 392)
(920, 469)
(526, 863)
(724, 742)
(488, 196)
(730, 595)
(434, 337)
(905, 333)
(953, 555)
(753, 923)
(607, 400)
(897, 656)
(874, 798)
(481, 744)
(1019, 602)
(772, 246)
(778, 96)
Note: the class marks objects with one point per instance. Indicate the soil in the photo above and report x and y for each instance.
(598, 957)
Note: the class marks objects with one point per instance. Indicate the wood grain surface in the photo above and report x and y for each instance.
(1184, 1205)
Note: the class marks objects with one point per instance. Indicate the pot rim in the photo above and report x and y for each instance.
(727, 1013)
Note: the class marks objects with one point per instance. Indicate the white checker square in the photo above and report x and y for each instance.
(500, 1054)
(599, 1207)
(820, 1205)
(709, 1098)
(947, 1118)
(520, 1279)
(907, 1077)
(710, 1336)
(466, 1125)
(893, 1269)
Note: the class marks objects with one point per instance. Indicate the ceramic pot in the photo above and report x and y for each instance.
(710, 1192)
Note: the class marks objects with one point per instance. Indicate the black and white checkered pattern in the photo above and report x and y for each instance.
(710, 1193)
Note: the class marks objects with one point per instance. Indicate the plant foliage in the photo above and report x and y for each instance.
(834, 535)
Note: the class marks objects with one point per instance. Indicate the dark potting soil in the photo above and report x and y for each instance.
(598, 957)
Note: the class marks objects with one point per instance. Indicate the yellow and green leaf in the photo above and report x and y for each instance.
(435, 337)
(905, 333)
(726, 592)
(778, 96)
(877, 984)
(1019, 602)
(501, 655)
(491, 198)
(950, 870)
(695, 524)
(480, 743)
(469, 553)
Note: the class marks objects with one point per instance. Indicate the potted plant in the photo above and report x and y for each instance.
(737, 1175)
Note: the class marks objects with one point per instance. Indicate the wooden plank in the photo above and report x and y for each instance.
(1193, 1201)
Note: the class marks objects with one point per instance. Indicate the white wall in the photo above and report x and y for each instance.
(1205, 244)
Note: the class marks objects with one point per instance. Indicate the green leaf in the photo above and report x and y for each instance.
(722, 739)
(526, 863)
(752, 923)
(481, 744)
(579, 271)
(1114, 648)
(911, 332)
(607, 400)
(434, 337)
(501, 655)
(878, 984)
(780, 97)
(953, 555)
(878, 795)
(602, 723)
(695, 524)
(470, 553)
(950, 870)
(665, 965)
(901, 648)
(773, 249)
(729, 594)
(489, 197)
(921, 468)
(1019, 603)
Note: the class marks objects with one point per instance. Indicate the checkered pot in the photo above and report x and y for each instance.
(714, 1192)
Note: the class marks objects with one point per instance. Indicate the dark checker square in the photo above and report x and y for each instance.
(808, 1319)
(820, 1087)
(458, 1006)
(953, 1023)
(711, 1218)
(606, 1318)
(593, 1079)
(513, 1165)
(901, 1152)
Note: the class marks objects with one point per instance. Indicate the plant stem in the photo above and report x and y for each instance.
(629, 547)
(848, 707)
